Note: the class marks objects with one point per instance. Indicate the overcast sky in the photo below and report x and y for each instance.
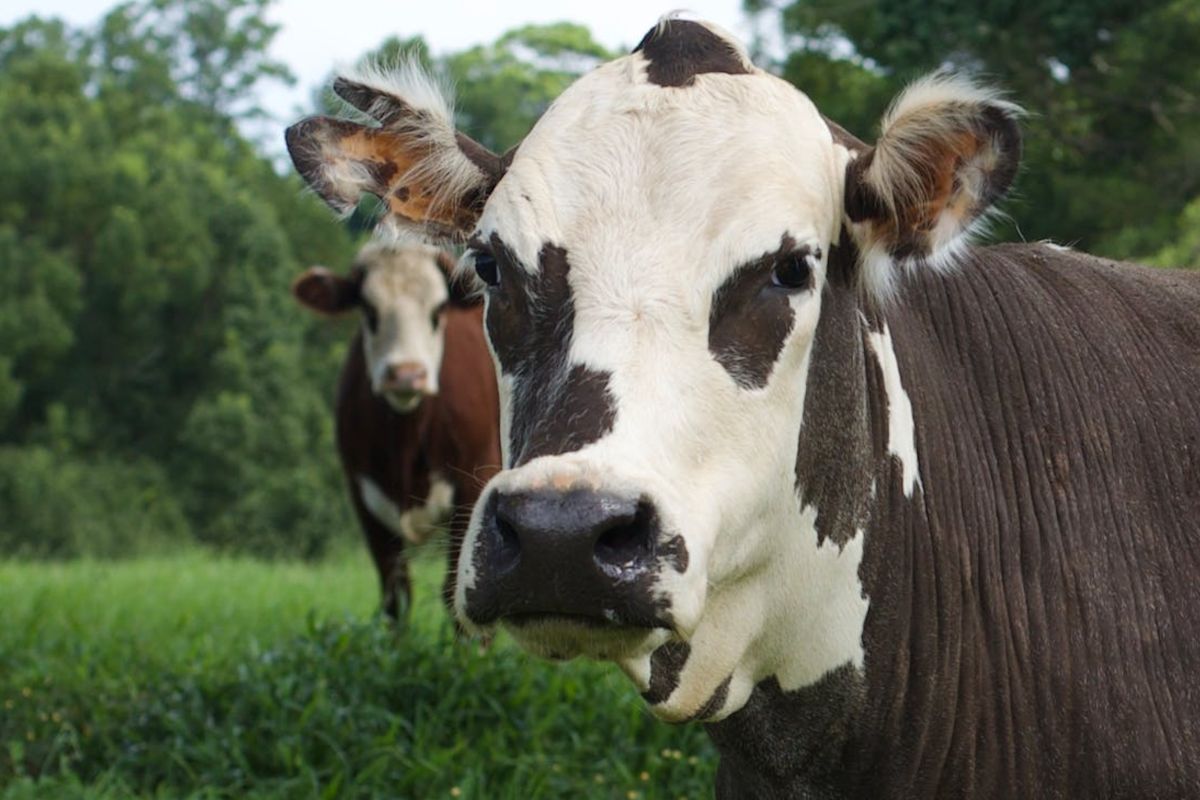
(317, 35)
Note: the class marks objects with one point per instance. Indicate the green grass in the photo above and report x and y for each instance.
(211, 678)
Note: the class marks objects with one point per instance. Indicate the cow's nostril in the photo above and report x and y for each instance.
(628, 544)
(508, 550)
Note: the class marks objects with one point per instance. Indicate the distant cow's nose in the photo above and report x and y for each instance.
(406, 376)
(577, 553)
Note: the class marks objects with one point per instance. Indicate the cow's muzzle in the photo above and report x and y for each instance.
(576, 556)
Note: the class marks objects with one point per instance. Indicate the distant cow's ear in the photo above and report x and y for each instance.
(948, 150)
(428, 175)
(325, 292)
(463, 292)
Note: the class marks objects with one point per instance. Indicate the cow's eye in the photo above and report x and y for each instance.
(487, 269)
(794, 270)
(371, 316)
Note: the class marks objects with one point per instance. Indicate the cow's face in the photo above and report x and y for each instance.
(401, 293)
(655, 257)
(653, 289)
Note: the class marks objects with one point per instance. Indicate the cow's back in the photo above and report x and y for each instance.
(1037, 596)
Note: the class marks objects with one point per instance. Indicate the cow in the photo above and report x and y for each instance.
(893, 514)
(417, 409)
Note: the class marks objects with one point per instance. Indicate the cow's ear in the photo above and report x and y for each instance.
(429, 176)
(325, 292)
(948, 150)
(463, 291)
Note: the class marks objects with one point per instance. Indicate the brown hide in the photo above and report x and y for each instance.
(455, 433)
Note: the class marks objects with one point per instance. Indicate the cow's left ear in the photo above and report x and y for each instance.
(462, 291)
(430, 177)
(325, 292)
(948, 150)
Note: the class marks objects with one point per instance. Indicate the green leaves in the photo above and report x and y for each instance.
(147, 336)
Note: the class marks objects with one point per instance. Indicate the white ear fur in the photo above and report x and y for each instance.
(948, 150)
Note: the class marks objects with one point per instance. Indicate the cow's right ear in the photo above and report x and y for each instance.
(429, 176)
(325, 292)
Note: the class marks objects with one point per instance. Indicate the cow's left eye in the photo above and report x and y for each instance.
(794, 270)
(487, 269)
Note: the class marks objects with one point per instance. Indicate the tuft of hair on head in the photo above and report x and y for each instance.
(686, 15)
(404, 80)
(948, 150)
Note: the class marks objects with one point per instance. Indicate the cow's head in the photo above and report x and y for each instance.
(401, 291)
(659, 256)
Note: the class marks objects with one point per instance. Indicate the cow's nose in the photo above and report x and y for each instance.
(406, 376)
(578, 553)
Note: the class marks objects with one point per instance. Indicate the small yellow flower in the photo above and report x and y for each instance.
(26, 691)
(678, 754)
(632, 795)
(57, 717)
(455, 791)
(693, 761)
(665, 753)
(8, 704)
(598, 778)
(645, 776)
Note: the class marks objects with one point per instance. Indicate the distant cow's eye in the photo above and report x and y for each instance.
(487, 269)
(370, 316)
(794, 270)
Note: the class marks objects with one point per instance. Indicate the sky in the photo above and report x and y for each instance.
(316, 36)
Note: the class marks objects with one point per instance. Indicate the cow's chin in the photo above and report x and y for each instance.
(560, 638)
(403, 402)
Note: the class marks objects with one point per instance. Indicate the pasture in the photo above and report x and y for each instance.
(196, 676)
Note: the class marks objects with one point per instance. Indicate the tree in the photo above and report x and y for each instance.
(156, 380)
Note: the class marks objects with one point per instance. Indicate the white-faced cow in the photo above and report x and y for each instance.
(416, 402)
(897, 516)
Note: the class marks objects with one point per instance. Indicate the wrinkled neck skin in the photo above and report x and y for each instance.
(788, 716)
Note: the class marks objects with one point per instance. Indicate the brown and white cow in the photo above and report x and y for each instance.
(895, 515)
(416, 404)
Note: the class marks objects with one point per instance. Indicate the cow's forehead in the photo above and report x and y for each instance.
(620, 167)
(395, 272)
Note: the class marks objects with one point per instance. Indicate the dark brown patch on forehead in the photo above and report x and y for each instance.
(556, 407)
(679, 50)
(750, 320)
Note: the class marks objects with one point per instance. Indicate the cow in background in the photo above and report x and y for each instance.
(416, 409)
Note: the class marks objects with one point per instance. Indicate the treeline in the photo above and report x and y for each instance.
(157, 384)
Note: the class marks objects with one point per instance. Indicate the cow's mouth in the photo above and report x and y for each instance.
(560, 636)
(404, 402)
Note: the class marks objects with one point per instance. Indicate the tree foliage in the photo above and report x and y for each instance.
(155, 380)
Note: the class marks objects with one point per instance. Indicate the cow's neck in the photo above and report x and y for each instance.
(806, 741)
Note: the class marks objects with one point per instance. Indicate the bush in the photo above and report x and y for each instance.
(58, 505)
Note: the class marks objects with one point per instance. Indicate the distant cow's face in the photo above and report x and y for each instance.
(402, 293)
(656, 257)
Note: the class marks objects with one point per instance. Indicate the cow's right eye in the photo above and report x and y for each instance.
(487, 269)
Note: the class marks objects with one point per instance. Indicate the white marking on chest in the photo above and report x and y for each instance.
(901, 427)
(415, 525)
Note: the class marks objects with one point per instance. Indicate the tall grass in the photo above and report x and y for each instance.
(199, 677)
